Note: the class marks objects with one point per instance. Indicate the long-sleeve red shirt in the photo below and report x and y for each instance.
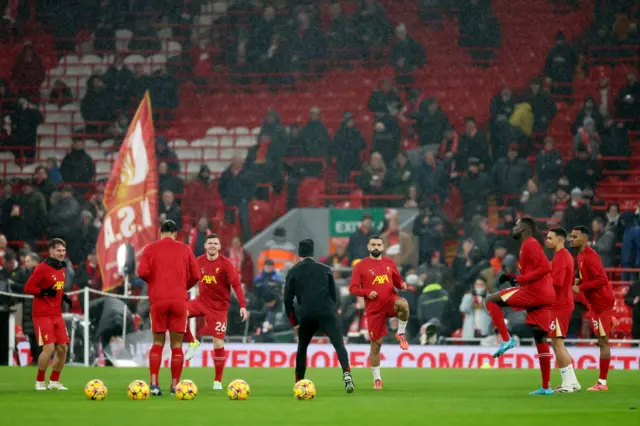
(380, 276)
(169, 268)
(594, 282)
(535, 269)
(218, 277)
(562, 272)
(46, 276)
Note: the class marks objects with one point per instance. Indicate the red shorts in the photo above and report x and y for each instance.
(216, 319)
(602, 323)
(560, 323)
(50, 329)
(538, 307)
(169, 315)
(377, 320)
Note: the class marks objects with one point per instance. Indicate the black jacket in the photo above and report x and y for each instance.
(77, 167)
(312, 285)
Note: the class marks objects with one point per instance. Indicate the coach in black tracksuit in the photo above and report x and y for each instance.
(312, 285)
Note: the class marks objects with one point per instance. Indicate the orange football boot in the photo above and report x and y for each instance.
(402, 339)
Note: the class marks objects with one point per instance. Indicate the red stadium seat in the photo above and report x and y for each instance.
(259, 215)
(310, 192)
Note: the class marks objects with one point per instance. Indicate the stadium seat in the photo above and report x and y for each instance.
(259, 215)
(123, 36)
(310, 192)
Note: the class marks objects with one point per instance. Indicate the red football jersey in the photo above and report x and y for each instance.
(169, 268)
(594, 282)
(46, 276)
(562, 272)
(218, 277)
(380, 276)
(535, 269)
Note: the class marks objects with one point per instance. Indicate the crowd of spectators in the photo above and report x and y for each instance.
(473, 167)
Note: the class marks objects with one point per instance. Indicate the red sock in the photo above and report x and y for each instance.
(155, 360)
(177, 359)
(55, 376)
(188, 336)
(498, 320)
(544, 356)
(604, 368)
(40, 375)
(219, 356)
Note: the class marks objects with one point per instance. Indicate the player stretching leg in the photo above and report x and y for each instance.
(535, 295)
(218, 278)
(170, 269)
(562, 271)
(374, 278)
(46, 284)
(595, 286)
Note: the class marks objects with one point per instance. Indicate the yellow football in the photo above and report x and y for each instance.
(186, 390)
(95, 390)
(304, 390)
(238, 390)
(138, 390)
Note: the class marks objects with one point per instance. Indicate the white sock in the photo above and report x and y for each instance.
(572, 375)
(402, 326)
(602, 382)
(566, 376)
(376, 373)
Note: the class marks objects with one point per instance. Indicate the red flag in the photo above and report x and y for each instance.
(130, 196)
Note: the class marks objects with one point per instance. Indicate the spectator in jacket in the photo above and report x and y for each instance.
(25, 120)
(431, 122)
(577, 212)
(432, 179)
(385, 100)
(235, 187)
(628, 102)
(501, 108)
(357, 246)
(375, 179)
(603, 241)
(53, 171)
(77, 167)
(242, 262)
(64, 217)
(98, 108)
(314, 142)
(615, 143)
(449, 150)
(33, 212)
(120, 82)
(473, 144)
(613, 220)
(43, 184)
(535, 203)
(163, 90)
(542, 104)
(201, 195)
(510, 174)
(560, 65)
(372, 26)
(28, 73)
(588, 137)
(583, 169)
(164, 153)
(398, 244)
(549, 165)
(632, 299)
(307, 44)
(430, 233)
(264, 161)
(280, 251)
(475, 187)
(341, 36)
(630, 254)
(168, 181)
(348, 145)
(169, 209)
(198, 235)
(407, 49)
(386, 138)
(402, 174)
(589, 110)
(477, 322)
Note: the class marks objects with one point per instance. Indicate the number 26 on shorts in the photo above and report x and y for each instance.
(221, 327)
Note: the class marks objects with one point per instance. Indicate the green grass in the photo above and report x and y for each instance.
(410, 397)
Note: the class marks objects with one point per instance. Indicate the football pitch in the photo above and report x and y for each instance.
(410, 397)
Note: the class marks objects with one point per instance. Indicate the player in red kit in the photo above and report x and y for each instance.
(375, 278)
(595, 286)
(535, 294)
(218, 278)
(46, 284)
(170, 269)
(562, 273)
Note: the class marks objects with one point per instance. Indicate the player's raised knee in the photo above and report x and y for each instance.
(401, 305)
